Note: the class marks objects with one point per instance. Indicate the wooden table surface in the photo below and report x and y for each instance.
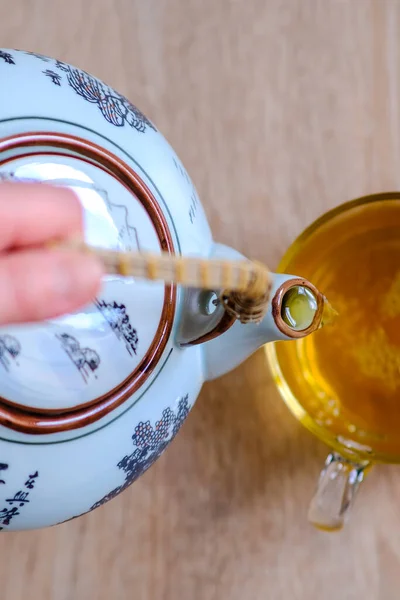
(280, 109)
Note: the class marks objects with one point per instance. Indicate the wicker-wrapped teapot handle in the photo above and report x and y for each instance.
(246, 285)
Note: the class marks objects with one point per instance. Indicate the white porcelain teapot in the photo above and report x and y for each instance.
(90, 400)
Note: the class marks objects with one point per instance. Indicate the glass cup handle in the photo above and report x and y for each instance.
(336, 491)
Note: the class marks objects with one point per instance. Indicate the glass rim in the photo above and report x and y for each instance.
(331, 214)
(354, 450)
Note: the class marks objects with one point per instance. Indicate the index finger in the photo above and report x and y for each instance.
(34, 213)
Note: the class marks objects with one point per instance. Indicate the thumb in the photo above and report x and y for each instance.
(38, 284)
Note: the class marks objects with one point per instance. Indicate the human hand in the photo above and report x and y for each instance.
(38, 283)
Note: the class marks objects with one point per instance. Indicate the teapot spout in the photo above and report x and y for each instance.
(240, 341)
(296, 309)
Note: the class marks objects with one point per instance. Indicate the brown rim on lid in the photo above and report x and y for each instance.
(46, 421)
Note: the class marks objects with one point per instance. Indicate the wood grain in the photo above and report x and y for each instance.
(280, 109)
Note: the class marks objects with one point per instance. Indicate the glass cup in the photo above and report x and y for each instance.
(343, 382)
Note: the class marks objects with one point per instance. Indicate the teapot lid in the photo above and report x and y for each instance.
(71, 371)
